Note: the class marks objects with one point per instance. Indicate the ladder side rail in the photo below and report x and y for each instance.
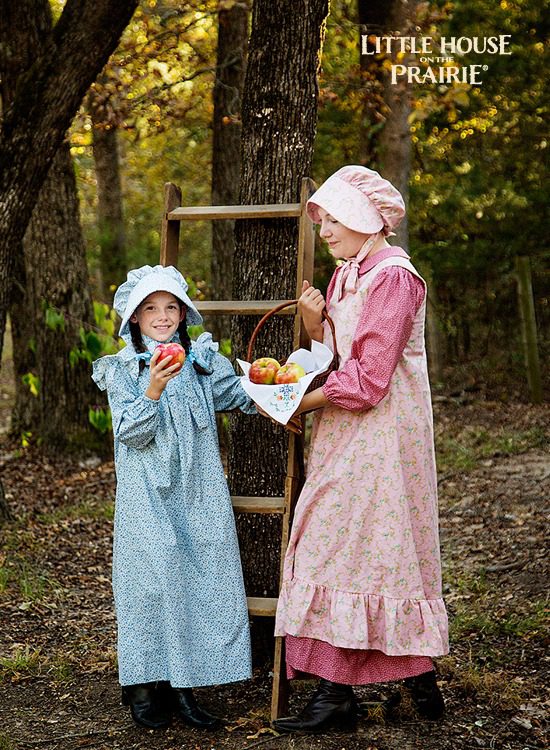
(295, 463)
(170, 230)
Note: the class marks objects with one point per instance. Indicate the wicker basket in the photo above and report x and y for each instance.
(320, 379)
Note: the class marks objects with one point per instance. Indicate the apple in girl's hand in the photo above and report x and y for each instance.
(262, 371)
(290, 373)
(173, 350)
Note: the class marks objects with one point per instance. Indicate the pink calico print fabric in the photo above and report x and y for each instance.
(362, 569)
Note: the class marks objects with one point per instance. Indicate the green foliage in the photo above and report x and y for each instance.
(54, 319)
(156, 91)
(32, 382)
(99, 342)
(5, 742)
(100, 419)
(23, 662)
(475, 444)
(89, 507)
(27, 437)
(4, 578)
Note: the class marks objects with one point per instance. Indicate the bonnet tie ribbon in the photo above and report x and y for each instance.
(348, 278)
(191, 357)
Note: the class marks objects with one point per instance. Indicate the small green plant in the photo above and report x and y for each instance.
(24, 662)
(54, 319)
(97, 343)
(32, 584)
(26, 438)
(5, 742)
(4, 578)
(473, 444)
(32, 382)
(61, 670)
(100, 419)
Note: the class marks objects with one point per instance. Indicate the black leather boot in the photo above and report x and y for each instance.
(186, 707)
(146, 706)
(331, 706)
(426, 695)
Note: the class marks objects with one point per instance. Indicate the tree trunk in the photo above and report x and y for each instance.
(386, 139)
(51, 276)
(25, 412)
(279, 121)
(57, 279)
(40, 110)
(226, 145)
(110, 221)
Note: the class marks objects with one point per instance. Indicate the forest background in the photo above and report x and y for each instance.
(472, 161)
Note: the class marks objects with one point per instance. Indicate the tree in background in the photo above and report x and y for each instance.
(479, 185)
(226, 144)
(385, 133)
(45, 101)
(279, 120)
(156, 92)
(110, 212)
(52, 298)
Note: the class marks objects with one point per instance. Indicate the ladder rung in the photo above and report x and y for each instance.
(243, 307)
(268, 211)
(261, 606)
(258, 504)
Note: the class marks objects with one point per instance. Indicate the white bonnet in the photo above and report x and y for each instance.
(141, 282)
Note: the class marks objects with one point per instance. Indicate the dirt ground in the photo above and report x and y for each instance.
(57, 660)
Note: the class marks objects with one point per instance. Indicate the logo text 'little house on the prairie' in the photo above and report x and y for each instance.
(447, 48)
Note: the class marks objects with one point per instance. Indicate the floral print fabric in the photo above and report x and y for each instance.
(362, 569)
(177, 579)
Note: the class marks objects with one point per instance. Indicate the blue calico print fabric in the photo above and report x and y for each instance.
(177, 578)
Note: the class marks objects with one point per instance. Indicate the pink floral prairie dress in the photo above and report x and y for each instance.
(361, 593)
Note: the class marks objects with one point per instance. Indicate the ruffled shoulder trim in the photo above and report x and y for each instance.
(104, 368)
(204, 350)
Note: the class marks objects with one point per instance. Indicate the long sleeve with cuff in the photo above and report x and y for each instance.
(135, 416)
(380, 338)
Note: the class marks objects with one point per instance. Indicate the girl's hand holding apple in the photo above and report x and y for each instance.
(161, 371)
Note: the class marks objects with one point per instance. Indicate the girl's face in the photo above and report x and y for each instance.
(343, 242)
(159, 316)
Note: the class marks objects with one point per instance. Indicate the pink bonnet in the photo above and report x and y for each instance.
(360, 199)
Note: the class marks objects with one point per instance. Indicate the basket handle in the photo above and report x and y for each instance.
(274, 311)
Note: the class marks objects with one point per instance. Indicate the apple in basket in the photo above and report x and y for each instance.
(262, 371)
(289, 373)
(175, 351)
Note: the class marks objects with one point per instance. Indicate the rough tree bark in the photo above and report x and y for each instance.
(52, 276)
(57, 279)
(279, 121)
(46, 99)
(226, 146)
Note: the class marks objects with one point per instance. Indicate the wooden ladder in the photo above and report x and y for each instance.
(174, 213)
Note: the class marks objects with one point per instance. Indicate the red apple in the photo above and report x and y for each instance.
(290, 373)
(175, 351)
(262, 371)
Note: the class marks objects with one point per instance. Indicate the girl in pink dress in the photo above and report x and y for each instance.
(361, 598)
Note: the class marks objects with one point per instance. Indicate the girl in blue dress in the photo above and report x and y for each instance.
(177, 580)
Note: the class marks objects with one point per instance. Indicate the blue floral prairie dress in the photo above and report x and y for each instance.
(177, 578)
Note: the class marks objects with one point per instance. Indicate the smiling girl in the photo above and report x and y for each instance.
(177, 580)
(361, 594)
